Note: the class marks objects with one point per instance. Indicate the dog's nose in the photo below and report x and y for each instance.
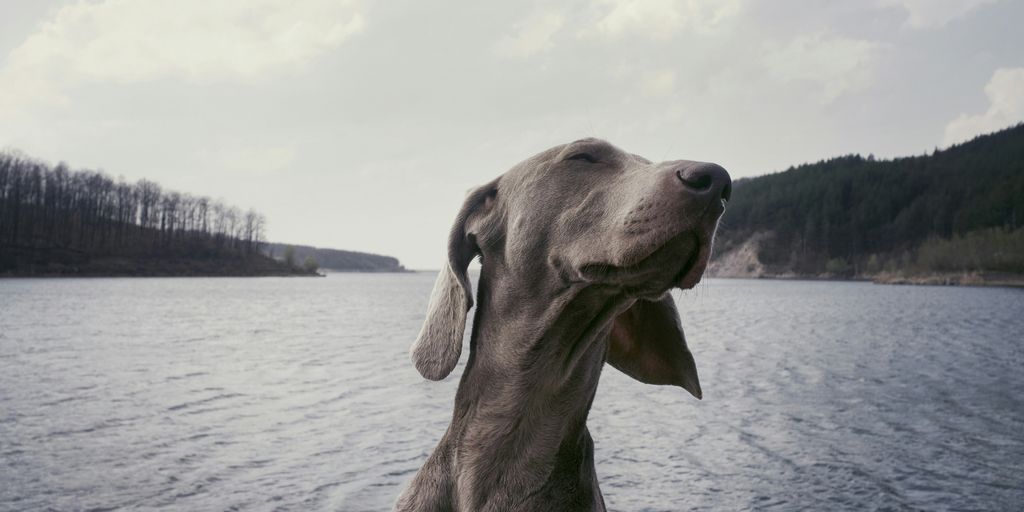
(704, 178)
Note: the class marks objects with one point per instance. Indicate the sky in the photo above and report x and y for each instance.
(361, 125)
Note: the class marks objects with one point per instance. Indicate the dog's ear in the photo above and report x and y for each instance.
(647, 343)
(439, 345)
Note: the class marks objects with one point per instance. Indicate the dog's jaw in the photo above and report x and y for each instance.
(679, 261)
(694, 271)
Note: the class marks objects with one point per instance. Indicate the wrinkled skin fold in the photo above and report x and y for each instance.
(579, 245)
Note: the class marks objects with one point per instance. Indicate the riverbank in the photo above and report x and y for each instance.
(937, 279)
(962, 279)
(252, 266)
(744, 261)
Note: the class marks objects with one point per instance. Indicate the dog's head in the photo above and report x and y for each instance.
(588, 214)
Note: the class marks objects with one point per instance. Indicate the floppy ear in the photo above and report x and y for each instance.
(439, 345)
(647, 343)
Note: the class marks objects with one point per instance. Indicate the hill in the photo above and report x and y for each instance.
(336, 260)
(57, 222)
(953, 216)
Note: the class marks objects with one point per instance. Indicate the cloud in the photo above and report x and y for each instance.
(611, 19)
(130, 41)
(532, 36)
(1006, 107)
(924, 14)
(838, 65)
(661, 18)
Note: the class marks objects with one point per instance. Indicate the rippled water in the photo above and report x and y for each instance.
(297, 394)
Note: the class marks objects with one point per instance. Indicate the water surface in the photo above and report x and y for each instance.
(297, 394)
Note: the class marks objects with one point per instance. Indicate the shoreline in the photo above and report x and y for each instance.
(160, 274)
(146, 276)
(158, 267)
(945, 279)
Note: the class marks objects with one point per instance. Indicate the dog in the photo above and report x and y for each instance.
(579, 246)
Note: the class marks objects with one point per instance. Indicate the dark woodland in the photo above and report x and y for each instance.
(55, 221)
(956, 210)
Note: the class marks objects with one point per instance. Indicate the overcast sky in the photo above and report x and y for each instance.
(361, 125)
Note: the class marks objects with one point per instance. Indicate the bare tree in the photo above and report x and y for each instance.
(57, 209)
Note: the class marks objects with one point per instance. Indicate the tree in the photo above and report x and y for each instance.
(834, 215)
(289, 256)
(310, 265)
(53, 210)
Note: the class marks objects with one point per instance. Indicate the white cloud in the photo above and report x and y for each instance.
(128, 41)
(1005, 91)
(838, 65)
(923, 14)
(611, 19)
(662, 18)
(532, 36)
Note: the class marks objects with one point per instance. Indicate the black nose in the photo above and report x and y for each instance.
(705, 178)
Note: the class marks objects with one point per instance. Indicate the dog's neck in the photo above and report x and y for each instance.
(519, 426)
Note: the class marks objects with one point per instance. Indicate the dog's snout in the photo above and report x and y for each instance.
(705, 178)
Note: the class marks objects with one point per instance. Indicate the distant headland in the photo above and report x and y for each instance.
(55, 221)
(334, 260)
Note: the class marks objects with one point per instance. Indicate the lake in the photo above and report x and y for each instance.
(297, 394)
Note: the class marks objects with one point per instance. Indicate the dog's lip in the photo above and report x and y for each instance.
(689, 274)
(694, 269)
(655, 261)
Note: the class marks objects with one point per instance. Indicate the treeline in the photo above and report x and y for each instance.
(54, 214)
(853, 215)
(335, 259)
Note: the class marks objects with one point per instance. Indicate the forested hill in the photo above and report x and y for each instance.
(957, 212)
(334, 259)
(56, 221)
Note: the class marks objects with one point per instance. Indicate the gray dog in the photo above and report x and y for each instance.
(579, 246)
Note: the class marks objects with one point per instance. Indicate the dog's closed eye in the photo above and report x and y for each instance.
(586, 157)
